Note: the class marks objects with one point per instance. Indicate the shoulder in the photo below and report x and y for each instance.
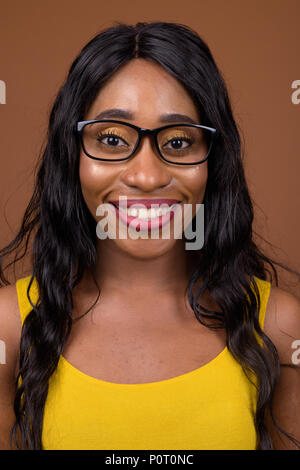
(282, 322)
(10, 333)
(282, 326)
(10, 326)
(9, 306)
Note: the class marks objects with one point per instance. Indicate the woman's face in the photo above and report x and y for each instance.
(147, 91)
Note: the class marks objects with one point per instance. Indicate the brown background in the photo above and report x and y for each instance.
(256, 45)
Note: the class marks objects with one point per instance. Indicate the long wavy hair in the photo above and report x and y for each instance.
(64, 231)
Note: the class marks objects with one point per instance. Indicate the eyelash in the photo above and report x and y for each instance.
(185, 139)
(109, 134)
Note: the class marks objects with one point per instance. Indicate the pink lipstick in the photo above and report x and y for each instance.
(146, 202)
(151, 222)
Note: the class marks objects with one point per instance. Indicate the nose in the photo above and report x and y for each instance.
(146, 170)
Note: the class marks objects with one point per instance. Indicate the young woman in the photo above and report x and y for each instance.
(141, 343)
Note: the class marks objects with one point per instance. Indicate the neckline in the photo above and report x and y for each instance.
(171, 380)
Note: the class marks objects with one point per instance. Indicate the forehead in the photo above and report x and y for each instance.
(145, 88)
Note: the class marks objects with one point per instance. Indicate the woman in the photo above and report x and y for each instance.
(141, 343)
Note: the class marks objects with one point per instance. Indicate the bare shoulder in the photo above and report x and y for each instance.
(282, 322)
(282, 326)
(10, 326)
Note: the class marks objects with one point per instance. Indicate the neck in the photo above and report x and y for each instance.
(119, 269)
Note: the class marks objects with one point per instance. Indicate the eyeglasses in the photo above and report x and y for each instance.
(181, 144)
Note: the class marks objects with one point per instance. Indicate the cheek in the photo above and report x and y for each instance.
(195, 181)
(95, 180)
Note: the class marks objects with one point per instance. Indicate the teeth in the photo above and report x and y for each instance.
(147, 214)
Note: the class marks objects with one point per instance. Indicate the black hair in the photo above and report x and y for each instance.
(64, 231)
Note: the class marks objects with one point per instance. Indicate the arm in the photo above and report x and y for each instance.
(10, 330)
(282, 325)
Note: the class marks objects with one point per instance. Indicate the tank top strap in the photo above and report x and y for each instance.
(24, 305)
(264, 288)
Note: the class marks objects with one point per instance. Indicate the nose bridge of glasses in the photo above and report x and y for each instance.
(150, 133)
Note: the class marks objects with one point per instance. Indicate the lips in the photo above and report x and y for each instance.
(146, 202)
(142, 224)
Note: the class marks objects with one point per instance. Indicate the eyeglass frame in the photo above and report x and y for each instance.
(141, 132)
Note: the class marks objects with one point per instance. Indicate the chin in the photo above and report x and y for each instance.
(143, 248)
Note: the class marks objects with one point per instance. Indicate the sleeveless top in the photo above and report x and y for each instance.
(209, 408)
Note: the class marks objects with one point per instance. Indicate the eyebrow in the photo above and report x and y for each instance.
(123, 113)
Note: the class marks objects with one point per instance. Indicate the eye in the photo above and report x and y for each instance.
(176, 143)
(112, 139)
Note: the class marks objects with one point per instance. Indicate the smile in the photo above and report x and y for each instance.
(153, 214)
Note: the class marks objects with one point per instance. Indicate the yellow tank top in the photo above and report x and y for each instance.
(209, 408)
